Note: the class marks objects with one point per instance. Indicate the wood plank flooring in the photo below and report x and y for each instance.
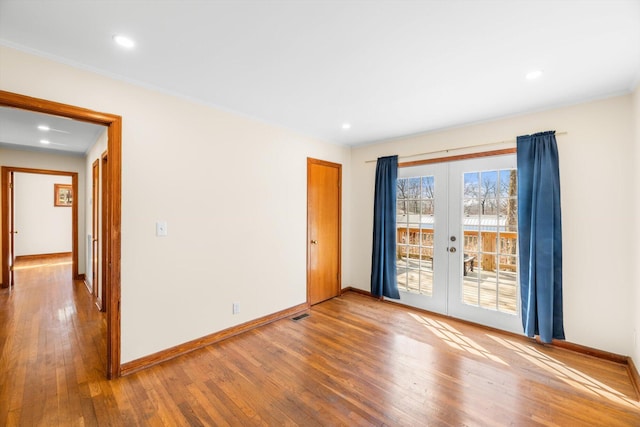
(353, 361)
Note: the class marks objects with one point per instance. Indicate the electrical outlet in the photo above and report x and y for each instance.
(236, 308)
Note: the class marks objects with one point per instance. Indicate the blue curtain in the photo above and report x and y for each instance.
(540, 236)
(383, 262)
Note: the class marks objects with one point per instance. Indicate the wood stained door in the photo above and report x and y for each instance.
(7, 273)
(105, 261)
(324, 195)
(95, 197)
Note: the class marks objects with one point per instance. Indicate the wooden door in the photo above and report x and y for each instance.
(324, 180)
(12, 230)
(95, 197)
(8, 231)
(105, 262)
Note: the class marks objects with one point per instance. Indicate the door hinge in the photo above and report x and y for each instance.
(11, 185)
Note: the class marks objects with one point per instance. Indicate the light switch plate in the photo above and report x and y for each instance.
(161, 228)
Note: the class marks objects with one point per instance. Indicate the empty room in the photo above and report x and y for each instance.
(358, 212)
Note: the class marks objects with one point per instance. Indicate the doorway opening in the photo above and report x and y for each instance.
(10, 229)
(112, 223)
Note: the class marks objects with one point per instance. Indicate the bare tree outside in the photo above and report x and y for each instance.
(511, 221)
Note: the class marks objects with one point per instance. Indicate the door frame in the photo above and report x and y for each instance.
(338, 166)
(415, 300)
(95, 266)
(113, 219)
(6, 170)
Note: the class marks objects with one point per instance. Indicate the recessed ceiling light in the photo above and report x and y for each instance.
(45, 141)
(124, 41)
(532, 75)
(44, 128)
(346, 126)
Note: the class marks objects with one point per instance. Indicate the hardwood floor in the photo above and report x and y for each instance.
(352, 361)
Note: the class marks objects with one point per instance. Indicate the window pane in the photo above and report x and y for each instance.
(470, 290)
(402, 185)
(413, 188)
(471, 188)
(489, 207)
(508, 183)
(403, 235)
(413, 209)
(427, 187)
(471, 208)
(507, 294)
(413, 280)
(471, 241)
(489, 292)
(401, 211)
(426, 208)
(489, 185)
(401, 274)
(511, 215)
(508, 264)
(426, 282)
(427, 237)
(508, 245)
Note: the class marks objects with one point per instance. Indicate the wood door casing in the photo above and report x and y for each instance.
(324, 195)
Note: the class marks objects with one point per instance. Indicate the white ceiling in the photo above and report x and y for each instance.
(389, 68)
(20, 128)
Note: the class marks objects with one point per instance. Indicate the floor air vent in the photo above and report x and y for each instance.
(302, 316)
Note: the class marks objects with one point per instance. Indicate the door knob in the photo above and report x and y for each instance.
(452, 250)
(314, 242)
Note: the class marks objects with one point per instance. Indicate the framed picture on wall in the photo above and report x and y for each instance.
(62, 195)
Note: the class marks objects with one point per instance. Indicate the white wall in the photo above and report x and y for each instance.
(42, 227)
(48, 161)
(596, 172)
(232, 189)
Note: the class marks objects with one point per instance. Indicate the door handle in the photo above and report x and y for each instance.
(452, 250)
(314, 242)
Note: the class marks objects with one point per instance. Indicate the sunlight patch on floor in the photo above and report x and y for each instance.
(48, 264)
(456, 339)
(569, 375)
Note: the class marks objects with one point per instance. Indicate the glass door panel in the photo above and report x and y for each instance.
(420, 239)
(483, 282)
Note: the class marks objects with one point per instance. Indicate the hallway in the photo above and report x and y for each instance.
(51, 345)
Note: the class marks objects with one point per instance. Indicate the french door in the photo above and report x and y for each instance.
(457, 240)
